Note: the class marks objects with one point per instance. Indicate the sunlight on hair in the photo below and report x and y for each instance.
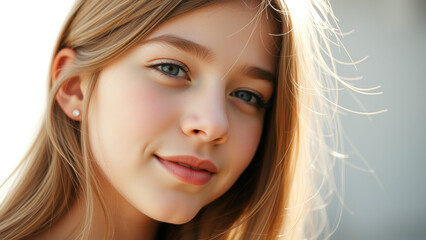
(299, 9)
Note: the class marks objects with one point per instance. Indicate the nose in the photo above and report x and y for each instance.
(206, 120)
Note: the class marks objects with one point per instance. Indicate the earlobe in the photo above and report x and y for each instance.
(69, 96)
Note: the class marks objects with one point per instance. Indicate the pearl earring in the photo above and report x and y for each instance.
(76, 113)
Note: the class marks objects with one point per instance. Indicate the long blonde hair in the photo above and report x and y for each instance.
(279, 195)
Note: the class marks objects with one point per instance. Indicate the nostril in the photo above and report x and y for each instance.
(196, 131)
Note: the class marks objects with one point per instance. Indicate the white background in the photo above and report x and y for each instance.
(28, 32)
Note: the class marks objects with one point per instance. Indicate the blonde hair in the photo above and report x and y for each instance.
(279, 195)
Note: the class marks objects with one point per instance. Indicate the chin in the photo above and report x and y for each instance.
(179, 215)
(178, 220)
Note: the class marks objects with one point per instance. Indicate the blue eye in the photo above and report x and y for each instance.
(172, 69)
(249, 97)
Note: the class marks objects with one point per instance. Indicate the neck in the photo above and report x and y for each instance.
(127, 221)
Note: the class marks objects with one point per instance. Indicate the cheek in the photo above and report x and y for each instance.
(125, 114)
(245, 144)
(242, 147)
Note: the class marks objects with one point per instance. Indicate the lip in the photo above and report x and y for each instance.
(188, 169)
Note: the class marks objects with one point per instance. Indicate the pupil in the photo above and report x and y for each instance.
(170, 69)
(245, 96)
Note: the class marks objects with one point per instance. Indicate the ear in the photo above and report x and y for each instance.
(69, 95)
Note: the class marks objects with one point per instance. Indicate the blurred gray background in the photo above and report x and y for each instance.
(389, 203)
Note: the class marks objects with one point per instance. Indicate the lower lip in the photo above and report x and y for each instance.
(185, 174)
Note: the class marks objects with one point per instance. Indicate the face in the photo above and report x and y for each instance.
(173, 123)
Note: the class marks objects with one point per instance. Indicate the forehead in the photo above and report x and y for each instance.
(233, 31)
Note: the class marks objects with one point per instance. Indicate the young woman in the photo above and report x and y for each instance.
(174, 119)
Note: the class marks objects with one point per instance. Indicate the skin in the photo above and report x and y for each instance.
(145, 104)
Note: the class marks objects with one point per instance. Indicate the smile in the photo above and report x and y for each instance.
(188, 169)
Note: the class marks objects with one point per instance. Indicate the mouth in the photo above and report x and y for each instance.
(188, 169)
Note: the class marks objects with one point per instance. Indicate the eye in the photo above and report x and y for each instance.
(172, 69)
(250, 97)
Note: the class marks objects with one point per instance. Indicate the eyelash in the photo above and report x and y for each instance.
(260, 103)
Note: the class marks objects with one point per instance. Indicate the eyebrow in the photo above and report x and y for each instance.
(258, 73)
(184, 45)
(205, 53)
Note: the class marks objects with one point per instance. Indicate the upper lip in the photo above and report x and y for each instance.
(191, 161)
